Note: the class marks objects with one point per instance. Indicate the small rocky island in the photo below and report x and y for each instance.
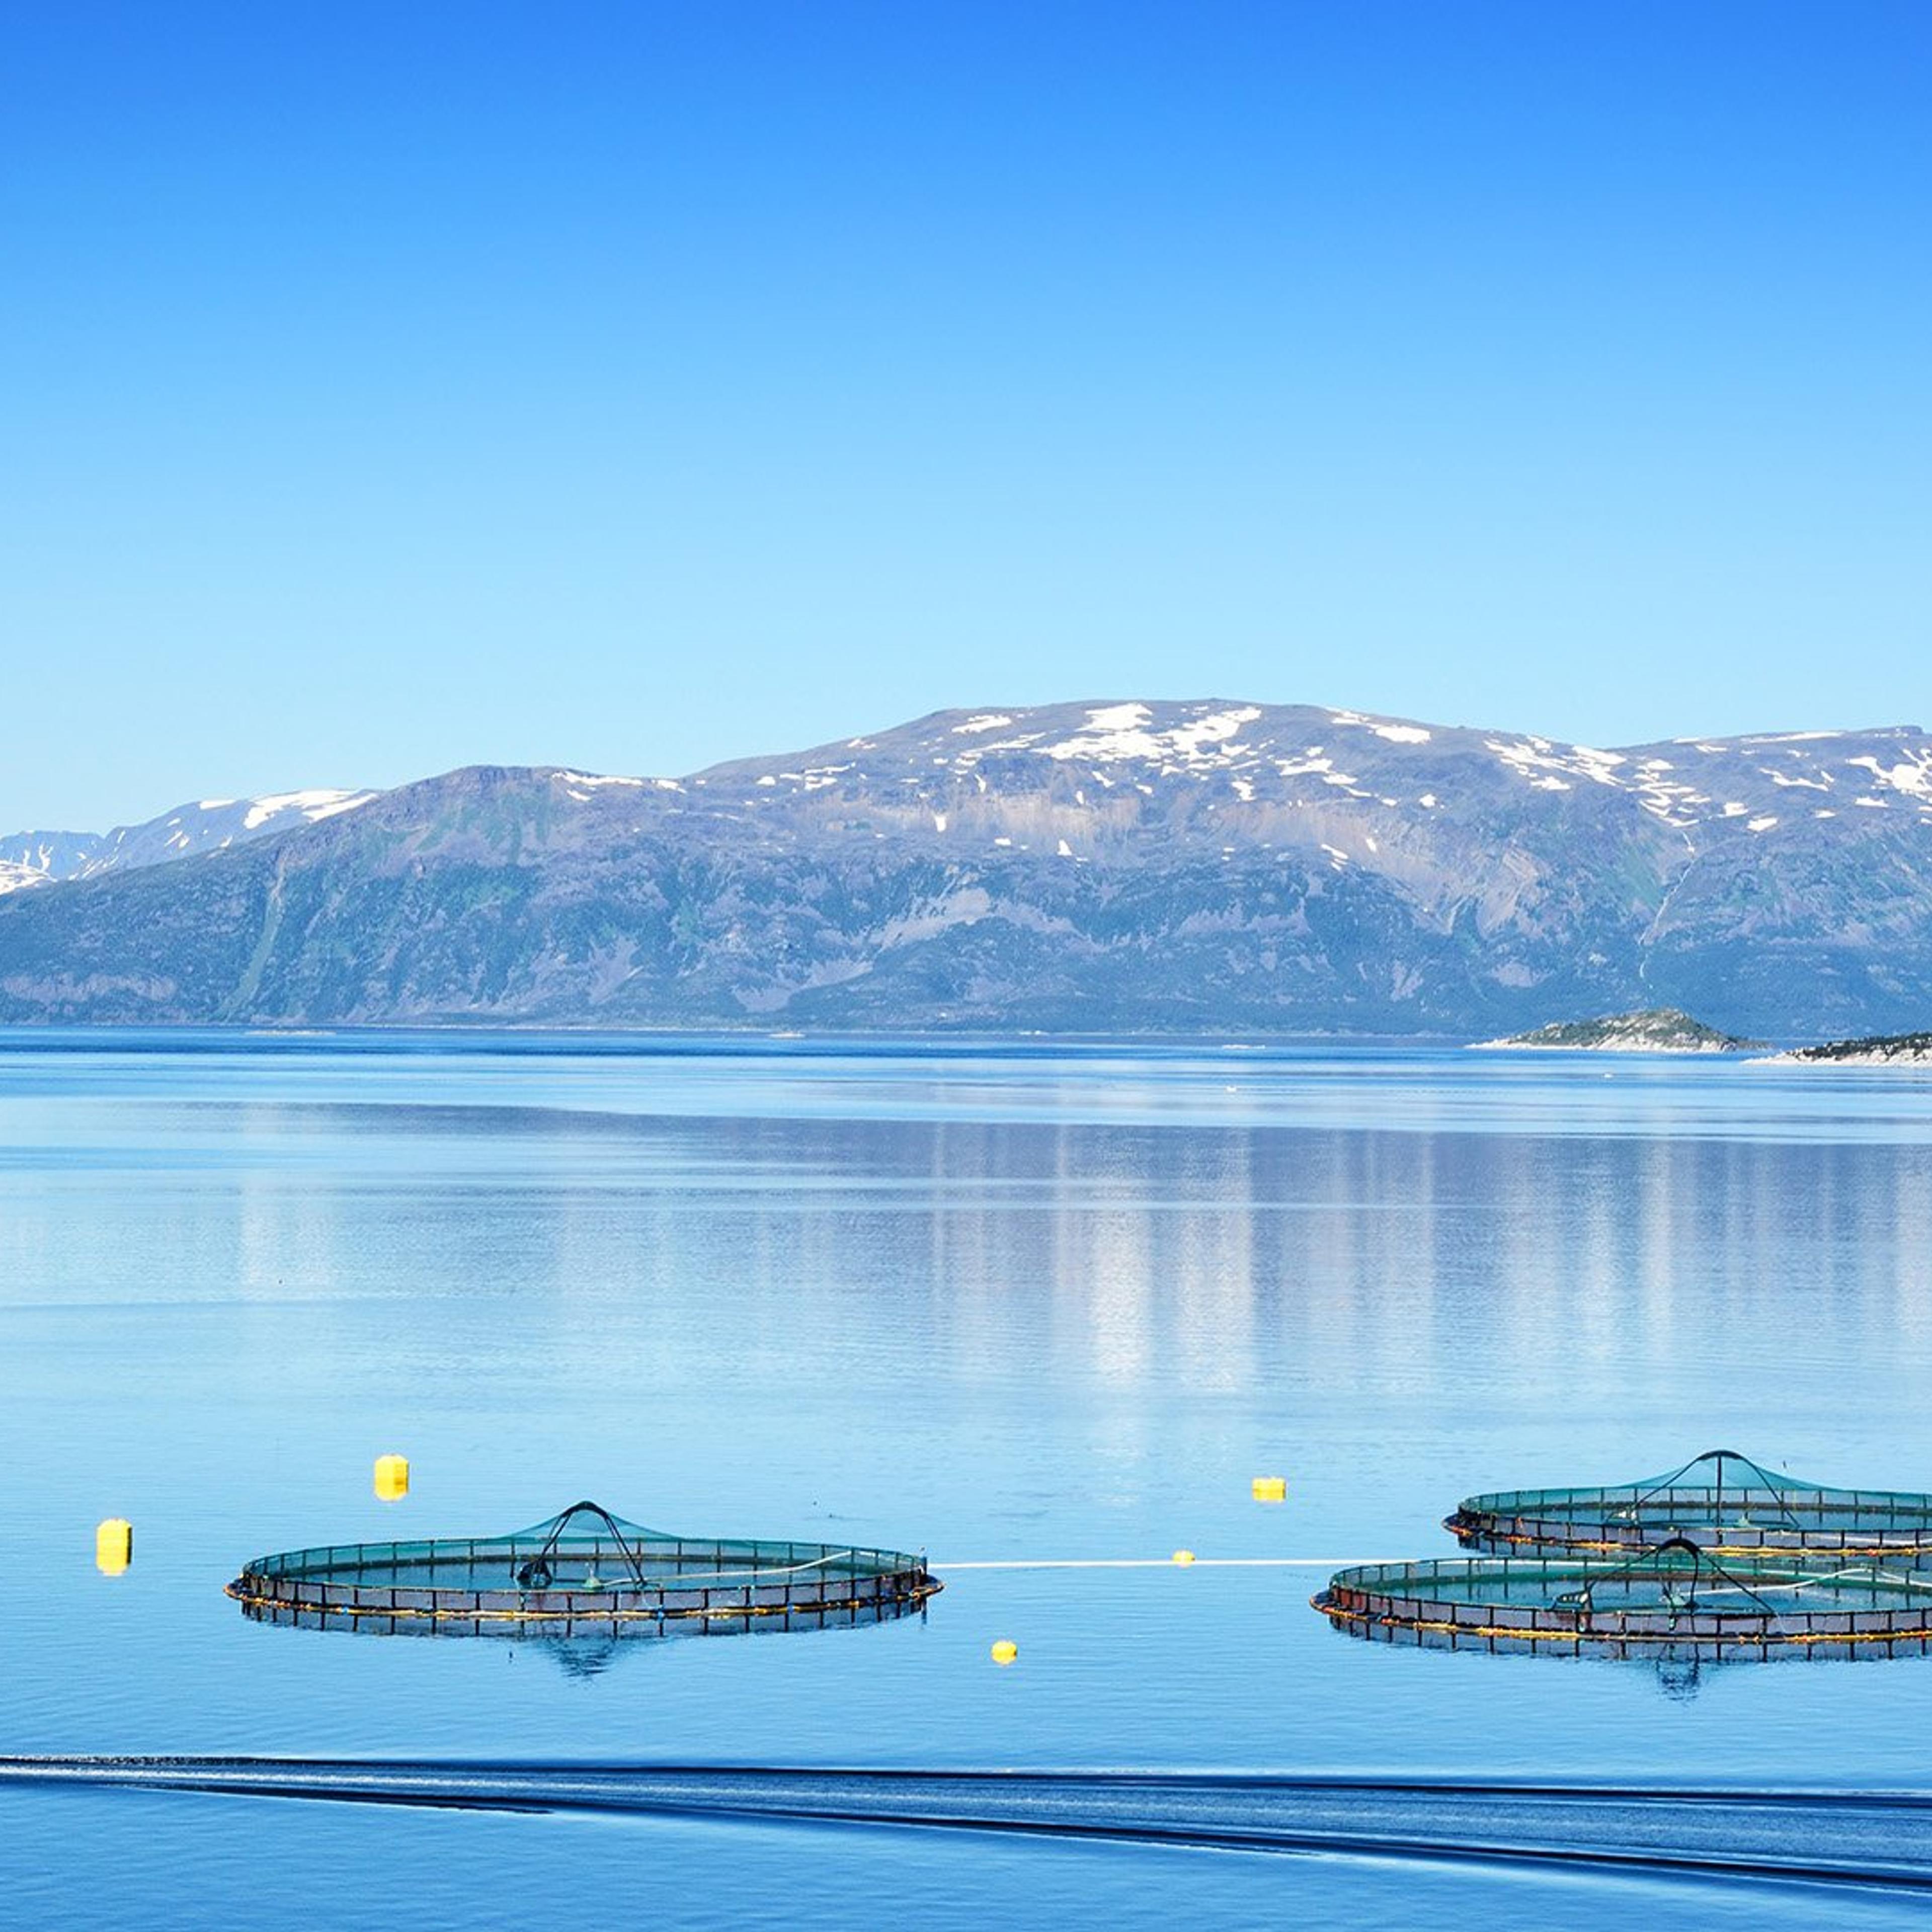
(1893, 1049)
(1656, 1030)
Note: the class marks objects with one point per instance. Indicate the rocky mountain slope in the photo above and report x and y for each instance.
(1195, 866)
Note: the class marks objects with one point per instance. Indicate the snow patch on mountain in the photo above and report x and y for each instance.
(1914, 776)
(1396, 734)
(1550, 767)
(1115, 732)
(312, 806)
(597, 780)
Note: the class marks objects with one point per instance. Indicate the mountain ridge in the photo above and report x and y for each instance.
(30, 859)
(1193, 866)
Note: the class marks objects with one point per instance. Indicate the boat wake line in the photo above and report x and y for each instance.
(1803, 1837)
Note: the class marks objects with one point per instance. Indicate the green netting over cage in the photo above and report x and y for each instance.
(584, 1573)
(1675, 1602)
(1720, 1501)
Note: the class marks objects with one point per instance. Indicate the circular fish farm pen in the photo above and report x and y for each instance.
(1721, 1501)
(1675, 1602)
(584, 1573)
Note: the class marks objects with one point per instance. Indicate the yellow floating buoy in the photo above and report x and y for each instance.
(1183, 1556)
(392, 1477)
(1005, 1650)
(1269, 1489)
(113, 1545)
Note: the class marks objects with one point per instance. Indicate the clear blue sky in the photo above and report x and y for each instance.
(388, 387)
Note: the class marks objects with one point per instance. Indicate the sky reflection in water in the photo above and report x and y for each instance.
(1034, 1308)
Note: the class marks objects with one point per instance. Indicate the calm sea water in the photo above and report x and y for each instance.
(1036, 1304)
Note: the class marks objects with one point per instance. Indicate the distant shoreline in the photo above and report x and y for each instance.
(1905, 1049)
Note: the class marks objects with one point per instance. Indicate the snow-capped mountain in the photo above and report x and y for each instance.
(1309, 761)
(1205, 865)
(45, 858)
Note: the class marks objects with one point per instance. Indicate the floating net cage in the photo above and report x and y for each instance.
(1676, 1603)
(1721, 1501)
(583, 1574)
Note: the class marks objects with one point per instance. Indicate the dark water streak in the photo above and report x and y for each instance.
(1881, 1839)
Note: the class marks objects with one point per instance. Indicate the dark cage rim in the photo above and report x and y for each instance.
(1723, 1499)
(515, 1580)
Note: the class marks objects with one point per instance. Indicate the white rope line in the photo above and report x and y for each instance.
(1168, 1563)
